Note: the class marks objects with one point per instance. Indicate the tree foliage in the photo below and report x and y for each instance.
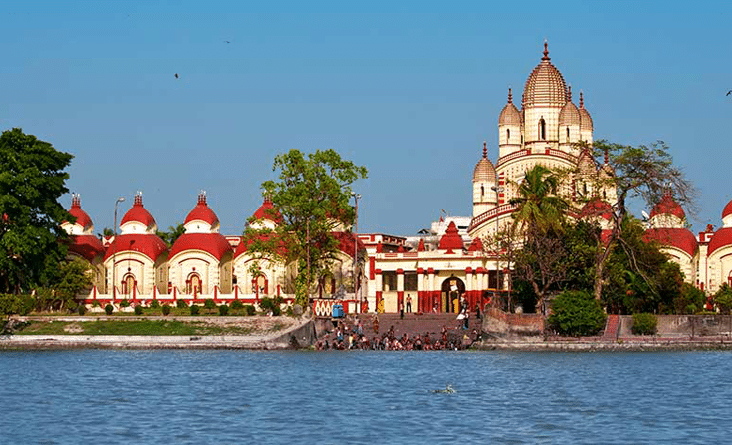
(644, 172)
(723, 299)
(173, 233)
(32, 179)
(577, 313)
(310, 199)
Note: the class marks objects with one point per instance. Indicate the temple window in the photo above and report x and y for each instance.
(567, 133)
(508, 134)
(542, 129)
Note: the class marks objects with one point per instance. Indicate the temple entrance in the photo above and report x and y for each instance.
(194, 285)
(128, 284)
(452, 289)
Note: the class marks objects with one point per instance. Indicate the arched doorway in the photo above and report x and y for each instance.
(194, 284)
(452, 289)
(128, 284)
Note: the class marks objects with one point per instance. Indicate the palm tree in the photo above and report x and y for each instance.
(538, 209)
(538, 220)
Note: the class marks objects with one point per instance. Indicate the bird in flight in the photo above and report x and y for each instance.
(226, 41)
(176, 75)
(729, 92)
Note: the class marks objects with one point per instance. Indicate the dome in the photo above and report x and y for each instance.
(147, 244)
(667, 206)
(202, 212)
(484, 170)
(545, 85)
(586, 164)
(268, 212)
(138, 214)
(727, 210)
(680, 238)
(597, 208)
(510, 115)
(82, 218)
(585, 118)
(451, 239)
(212, 243)
(570, 114)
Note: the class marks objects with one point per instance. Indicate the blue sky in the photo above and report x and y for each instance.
(408, 89)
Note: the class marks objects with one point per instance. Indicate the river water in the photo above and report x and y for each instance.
(235, 397)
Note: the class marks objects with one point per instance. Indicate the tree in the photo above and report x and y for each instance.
(542, 259)
(643, 172)
(723, 299)
(310, 200)
(172, 234)
(576, 313)
(32, 179)
(73, 278)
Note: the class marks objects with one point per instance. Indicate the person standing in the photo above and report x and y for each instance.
(409, 303)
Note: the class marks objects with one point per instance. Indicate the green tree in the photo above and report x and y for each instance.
(74, 277)
(723, 299)
(643, 172)
(576, 313)
(173, 233)
(311, 200)
(542, 259)
(32, 179)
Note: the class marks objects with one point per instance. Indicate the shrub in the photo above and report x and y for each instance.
(138, 310)
(194, 309)
(166, 309)
(16, 304)
(96, 304)
(644, 324)
(236, 305)
(249, 309)
(209, 304)
(124, 303)
(109, 309)
(82, 309)
(723, 299)
(223, 310)
(271, 305)
(155, 304)
(576, 313)
(181, 304)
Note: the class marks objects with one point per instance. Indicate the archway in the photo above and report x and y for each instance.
(452, 289)
(194, 284)
(128, 284)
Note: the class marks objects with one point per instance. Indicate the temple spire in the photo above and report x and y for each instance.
(582, 100)
(510, 95)
(485, 150)
(569, 94)
(546, 51)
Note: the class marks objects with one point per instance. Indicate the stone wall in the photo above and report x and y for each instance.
(684, 325)
(497, 322)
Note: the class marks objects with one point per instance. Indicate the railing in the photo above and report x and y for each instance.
(488, 214)
(545, 152)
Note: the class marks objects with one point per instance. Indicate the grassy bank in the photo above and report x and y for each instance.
(255, 326)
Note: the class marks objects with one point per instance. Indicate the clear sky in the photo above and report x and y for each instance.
(408, 89)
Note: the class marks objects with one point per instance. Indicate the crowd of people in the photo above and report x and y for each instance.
(344, 338)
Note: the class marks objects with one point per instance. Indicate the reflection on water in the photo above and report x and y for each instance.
(70, 397)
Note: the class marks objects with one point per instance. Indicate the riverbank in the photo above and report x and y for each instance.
(594, 345)
(261, 333)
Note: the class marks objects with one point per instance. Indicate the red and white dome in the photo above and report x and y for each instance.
(545, 85)
(668, 206)
(136, 216)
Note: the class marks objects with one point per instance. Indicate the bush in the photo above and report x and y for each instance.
(194, 309)
(109, 309)
(82, 309)
(155, 304)
(236, 305)
(181, 304)
(577, 313)
(166, 309)
(644, 324)
(96, 304)
(138, 310)
(723, 299)
(223, 310)
(16, 304)
(124, 303)
(249, 309)
(271, 305)
(209, 304)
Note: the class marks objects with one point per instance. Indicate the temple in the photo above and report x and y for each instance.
(453, 259)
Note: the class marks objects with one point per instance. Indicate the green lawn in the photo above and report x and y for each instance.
(135, 327)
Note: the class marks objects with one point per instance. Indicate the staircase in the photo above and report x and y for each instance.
(612, 328)
(412, 324)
